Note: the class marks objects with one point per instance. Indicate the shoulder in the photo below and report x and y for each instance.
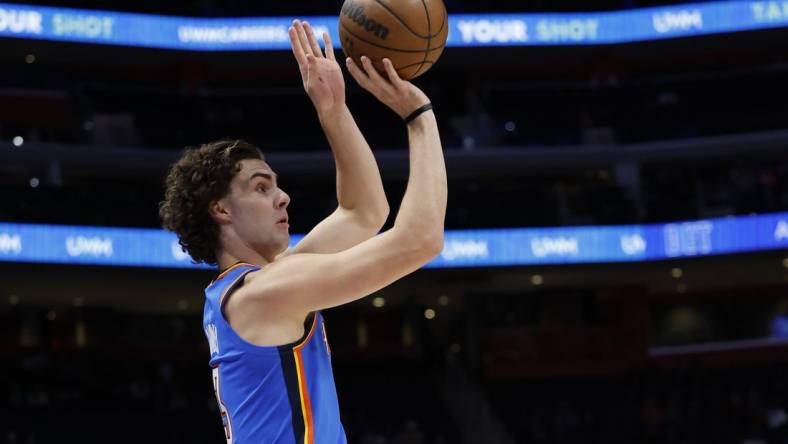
(257, 316)
(258, 290)
(228, 280)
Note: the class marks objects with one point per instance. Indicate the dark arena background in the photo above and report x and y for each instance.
(616, 259)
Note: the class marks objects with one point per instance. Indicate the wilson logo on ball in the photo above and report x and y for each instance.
(355, 12)
(412, 34)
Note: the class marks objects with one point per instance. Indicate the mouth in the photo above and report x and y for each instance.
(282, 220)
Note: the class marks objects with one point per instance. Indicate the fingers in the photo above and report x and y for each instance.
(370, 79)
(302, 38)
(310, 35)
(310, 71)
(329, 46)
(399, 95)
(295, 44)
(392, 73)
(372, 73)
(358, 74)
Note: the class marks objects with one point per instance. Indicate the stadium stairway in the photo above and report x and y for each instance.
(470, 408)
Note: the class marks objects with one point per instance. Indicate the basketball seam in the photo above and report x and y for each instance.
(429, 39)
(430, 62)
(427, 53)
(386, 47)
(393, 14)
(444, 23)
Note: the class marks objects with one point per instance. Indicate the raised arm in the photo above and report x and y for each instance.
(362, 208)
(300, 283)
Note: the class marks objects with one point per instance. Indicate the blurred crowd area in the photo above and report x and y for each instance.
(739, 405)
(89, 373)
(713, 373)
(566, 367)
(650, 97)
(187, 102)
(211, 8)
(557, 318)
(127, 398)
(594, 196)
(92, 398)
(92, 375)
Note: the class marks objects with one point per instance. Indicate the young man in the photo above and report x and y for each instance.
(269, 352)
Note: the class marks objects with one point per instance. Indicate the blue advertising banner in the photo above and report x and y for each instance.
(59, 244)
(270, 33)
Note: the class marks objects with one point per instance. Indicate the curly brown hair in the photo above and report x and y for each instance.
(201, 176)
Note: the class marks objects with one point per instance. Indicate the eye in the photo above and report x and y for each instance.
(261, 188)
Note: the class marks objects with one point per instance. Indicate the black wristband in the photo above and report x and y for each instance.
(417, 113)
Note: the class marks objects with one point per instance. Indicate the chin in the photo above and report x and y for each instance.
(285, 244)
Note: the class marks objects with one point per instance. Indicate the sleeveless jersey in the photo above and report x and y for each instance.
(276, 395)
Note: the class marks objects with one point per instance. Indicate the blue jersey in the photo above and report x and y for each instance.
(283, 394)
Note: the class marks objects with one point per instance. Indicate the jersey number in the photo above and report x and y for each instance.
(228, 429)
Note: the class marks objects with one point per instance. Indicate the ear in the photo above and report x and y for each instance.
(219, 212)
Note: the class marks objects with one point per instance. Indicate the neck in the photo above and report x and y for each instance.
(234, 250)
(226, 259)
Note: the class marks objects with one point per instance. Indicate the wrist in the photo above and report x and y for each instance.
(422, 121)
(417, 112)
(333, 114)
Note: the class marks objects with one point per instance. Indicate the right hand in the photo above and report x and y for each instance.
(320, 73)
(400, 95)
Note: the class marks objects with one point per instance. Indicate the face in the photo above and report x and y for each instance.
(257, 209)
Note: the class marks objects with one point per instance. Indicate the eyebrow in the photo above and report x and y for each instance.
(270, 176)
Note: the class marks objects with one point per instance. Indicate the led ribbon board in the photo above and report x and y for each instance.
(270, 33)
(60, 244)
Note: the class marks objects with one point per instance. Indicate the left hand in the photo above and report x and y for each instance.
(400, 95)
(321, 74)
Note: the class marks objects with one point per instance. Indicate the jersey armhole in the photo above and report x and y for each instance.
(228, 292)
(310, 321)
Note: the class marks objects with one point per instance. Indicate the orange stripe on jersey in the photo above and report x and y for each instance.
(306, 405)
(303, 389)
(224, 273)
(301, 344)
(231, 287)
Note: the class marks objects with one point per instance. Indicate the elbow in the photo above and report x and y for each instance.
(426, 245)
(376, 217)
(381, 215)
(434, 245)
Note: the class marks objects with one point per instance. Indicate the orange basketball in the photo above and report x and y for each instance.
(412, 33)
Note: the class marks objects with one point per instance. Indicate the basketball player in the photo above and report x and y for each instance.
(269, 351)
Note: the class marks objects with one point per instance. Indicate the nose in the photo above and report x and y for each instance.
(284, 200)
